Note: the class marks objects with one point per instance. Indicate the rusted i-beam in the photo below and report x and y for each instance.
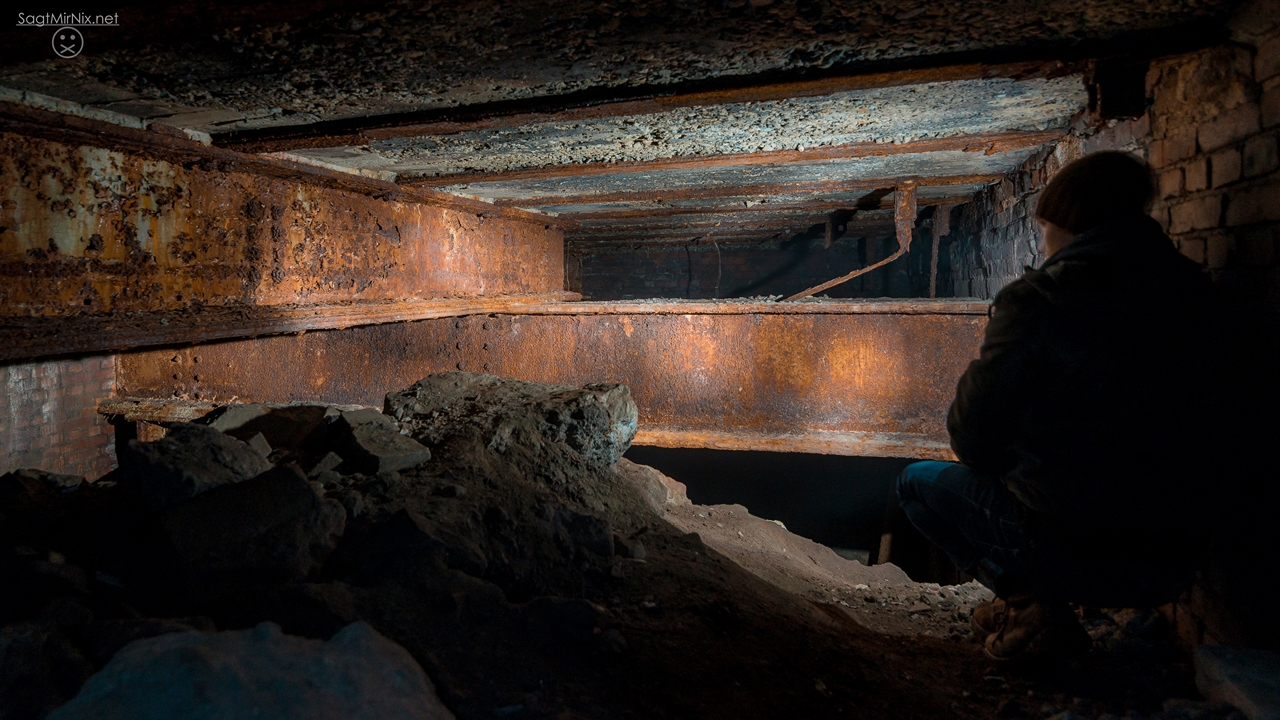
(838, 377)
(904, 218)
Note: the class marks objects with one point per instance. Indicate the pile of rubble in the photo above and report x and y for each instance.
(479, 548)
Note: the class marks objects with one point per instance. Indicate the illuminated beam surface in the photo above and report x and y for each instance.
(835, 377)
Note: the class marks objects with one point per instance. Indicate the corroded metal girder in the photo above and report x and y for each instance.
(113, 237)
(836, 377)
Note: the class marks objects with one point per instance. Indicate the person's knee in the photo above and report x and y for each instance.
(916, 477)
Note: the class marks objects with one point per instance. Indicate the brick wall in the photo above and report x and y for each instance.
(50, 418)
(769, 267)
(994, 237)
(1210, 135)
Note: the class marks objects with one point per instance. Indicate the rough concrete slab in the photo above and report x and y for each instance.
(892, 114)
(399, 56)
(876, 168)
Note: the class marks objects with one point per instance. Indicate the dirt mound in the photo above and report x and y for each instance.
(529, 570)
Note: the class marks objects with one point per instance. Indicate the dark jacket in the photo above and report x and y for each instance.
(1098, 396)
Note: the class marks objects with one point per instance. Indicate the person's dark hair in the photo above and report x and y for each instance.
(1095, 190)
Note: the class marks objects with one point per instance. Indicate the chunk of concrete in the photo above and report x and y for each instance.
(371, 443)
(262, 673)
(1246, 678)
(283, 426)
(189, 460)
(271, 529)
(596, 423)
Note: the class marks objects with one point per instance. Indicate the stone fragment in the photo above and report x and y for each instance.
(259, 672)
(330, 461)
(371, 443)
(259, 443)
(39, 670)
(1246, 678)
(189, 460)
(270, 529)
(661, 492)
(595, 422)
(283, 426)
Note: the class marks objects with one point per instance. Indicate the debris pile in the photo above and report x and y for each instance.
(480, 548)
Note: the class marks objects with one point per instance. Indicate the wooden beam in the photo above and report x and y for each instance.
(987, 143)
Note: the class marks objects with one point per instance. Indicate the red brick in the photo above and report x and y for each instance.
(1193, 248)
(1199, 214)
(1230, 127)
(1260, 156)
(1197, 174)
(1226, 167)
(1266, 63)
(1171, 182)
(1173, 149)
(1257, 204)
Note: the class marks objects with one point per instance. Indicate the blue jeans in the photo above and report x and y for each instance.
(978, 522)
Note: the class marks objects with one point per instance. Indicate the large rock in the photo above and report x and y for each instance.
(596, 422)
(189, 460)
(274, 528)
(371, 443)
(259, 673)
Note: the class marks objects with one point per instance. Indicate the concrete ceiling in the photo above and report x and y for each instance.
(637, 119)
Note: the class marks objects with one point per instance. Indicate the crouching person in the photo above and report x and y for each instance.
(1093, 428)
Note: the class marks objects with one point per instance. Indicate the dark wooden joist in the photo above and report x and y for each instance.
(988, 143)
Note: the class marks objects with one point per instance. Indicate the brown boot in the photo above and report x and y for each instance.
(1034, 631)
(987, 618)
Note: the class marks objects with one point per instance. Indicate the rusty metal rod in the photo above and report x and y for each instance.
(904, 219)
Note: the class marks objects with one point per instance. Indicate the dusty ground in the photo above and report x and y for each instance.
(532, 577)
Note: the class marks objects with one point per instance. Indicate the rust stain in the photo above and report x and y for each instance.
(853, 380)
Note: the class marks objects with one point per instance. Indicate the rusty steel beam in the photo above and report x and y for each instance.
(160, 143)
(574, 108)
(36, 337)
(760, 190)
(110, 229)
(988, 143)
(848, 377)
